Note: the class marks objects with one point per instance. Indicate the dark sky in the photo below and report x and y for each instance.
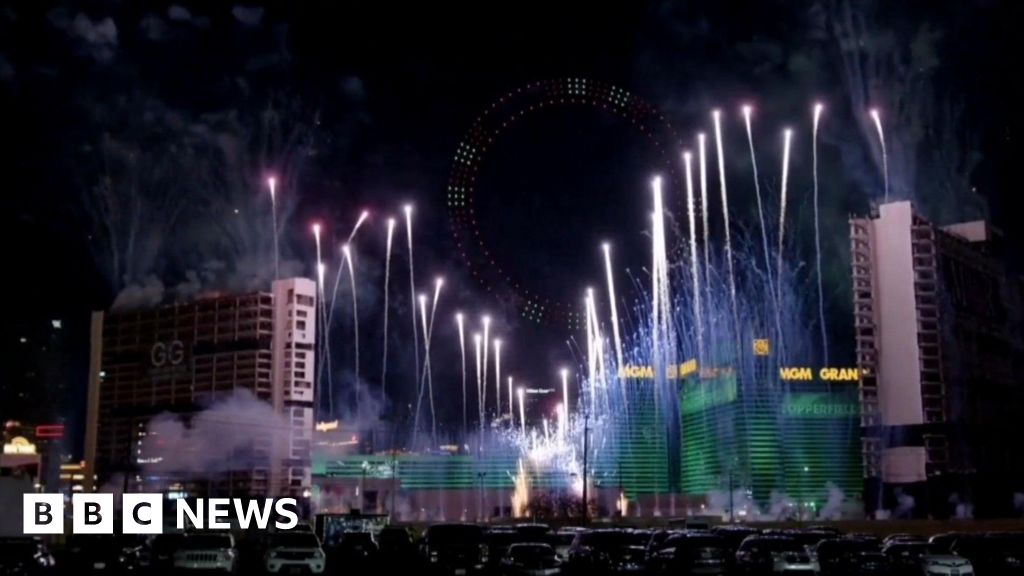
(189, 105)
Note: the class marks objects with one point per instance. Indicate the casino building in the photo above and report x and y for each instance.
(185, 357)
(940, 342)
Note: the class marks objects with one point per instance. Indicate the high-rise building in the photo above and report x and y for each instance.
(938, 323)
(183, 359)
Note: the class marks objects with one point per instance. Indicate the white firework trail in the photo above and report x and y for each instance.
(522, 411)
(818, 108)
(612, 304)
(704, 210)
(460, 321)
(591, 349)
(347, 251)
(387, 280)
(885, 156)
(486, 320)
(481, 392)
(497, 376)
(694, 267)
(407, 209)
(511, 403)
(787, 137)
(716, 117)
(764, 231)
(272, 183)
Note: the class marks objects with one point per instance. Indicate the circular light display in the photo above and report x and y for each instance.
(470, 154)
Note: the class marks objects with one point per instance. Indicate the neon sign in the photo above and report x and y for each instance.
(826, 374)
(19, 445)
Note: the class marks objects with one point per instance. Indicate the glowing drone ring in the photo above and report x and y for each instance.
(485, 131)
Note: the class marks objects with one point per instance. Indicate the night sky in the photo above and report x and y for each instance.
(170, 115)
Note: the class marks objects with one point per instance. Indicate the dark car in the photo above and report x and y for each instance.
(908, 558)
(455, 549)
(351, 549)
(992, 554)
(531, 559)
(691, 553)
(657, 541)
(24, 557)
(850, 557)
(613, 551)
(394, 541)
(734, 535)
(774, 555)
(944, 542)
(162, 548)
(84, 553)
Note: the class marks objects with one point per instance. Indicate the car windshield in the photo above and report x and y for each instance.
(455, 533)
(613, 539)
(206, 542)
(771, 545)
(690, 542)
(530, 551)
(294, 540)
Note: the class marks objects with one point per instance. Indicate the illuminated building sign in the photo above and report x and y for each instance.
(49, 431)
(672, 371)
(761, 347)
(819, 406)
(19, 445)
(827, 374)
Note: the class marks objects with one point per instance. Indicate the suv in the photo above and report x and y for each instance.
(293, 551)
(456, 549)
(206, 551)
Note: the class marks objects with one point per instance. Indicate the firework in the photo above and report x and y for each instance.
(695, 275)
(716, 116)
(818, 108)
(787, 137)
(481, 392)
(387, 280)
(486, 320)
(757, 192)
(564, 372)
(612, 304)
(511, 404)
(522, 411)
(407, 209)
(462, 354)
(885, 156)
(347, 251)
(704, 210)
(497, 377)
(272, 184)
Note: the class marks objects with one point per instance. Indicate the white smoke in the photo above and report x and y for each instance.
(961, 510)
(833, 508)
(237, 432)
(147, 293)
(904, 505)
(1018, 502)
(782, 506)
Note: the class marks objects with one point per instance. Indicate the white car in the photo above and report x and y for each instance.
(207, 551)
(946, 565)
(292, 552)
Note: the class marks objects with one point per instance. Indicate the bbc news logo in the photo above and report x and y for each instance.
(144, 513)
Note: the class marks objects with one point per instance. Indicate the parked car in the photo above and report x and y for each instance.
(25, 556)
(915, 558)
(992, 554)
(213, 551)
(691, 553)
(774, 555)
(531, 559)
(609, 551)
(850, 557)
(455, 549)
(289, 552)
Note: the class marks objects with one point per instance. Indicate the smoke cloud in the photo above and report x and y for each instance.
(237, 432)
